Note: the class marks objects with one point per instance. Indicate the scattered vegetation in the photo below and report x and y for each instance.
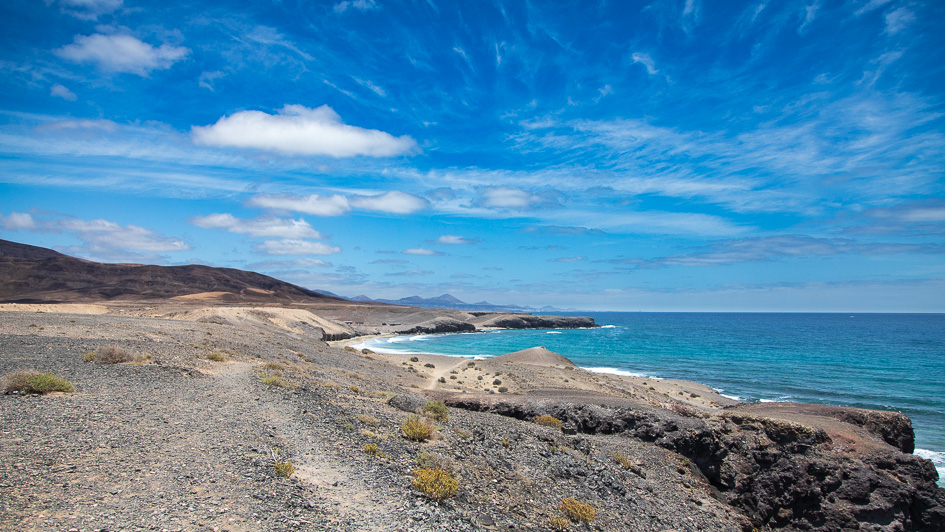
(417, 429)
(110, 354)
(437, 409)
(438, 484)
(35, 382)
(216, 356)
(577, 510)
(548, 421)
(275, 366)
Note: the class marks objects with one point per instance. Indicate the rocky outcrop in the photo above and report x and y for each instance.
(530, 321)
(782, 473)
(439, 325)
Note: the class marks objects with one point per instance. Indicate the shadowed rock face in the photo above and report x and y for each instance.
(782, 473)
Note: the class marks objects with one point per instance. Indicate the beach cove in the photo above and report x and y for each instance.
(874, 361)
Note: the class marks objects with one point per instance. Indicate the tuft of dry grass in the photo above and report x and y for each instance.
(35, 382)
(576, 510)
(216, 356)
(435, 483)
(621, 459)
(370, 421)
(277, 381)
(110, 354)
(558, 523)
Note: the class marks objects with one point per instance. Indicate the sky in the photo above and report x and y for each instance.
(665, 155)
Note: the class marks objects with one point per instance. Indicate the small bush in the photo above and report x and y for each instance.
(417, 429)
(437, 409)
(216, 357)
(371, 449)
(435, 483)
(284, 469)
(577, 510)
(273, 366)
(558, 523)
(275, 380)
(548, 421)
(112, 354)
(436, 461)
(89, 357)
(35, 382)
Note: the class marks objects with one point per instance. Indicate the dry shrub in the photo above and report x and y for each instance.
(276, 380)
(274, 366)
(371, 449)
(435, 483)
(112, 354)
(417, 429)
(577, 510)
(436, 461)
(367, 420)
(548, 421)
(437, 409)
(216, 356)
(284, 469)
(35, 382)
(558, 523)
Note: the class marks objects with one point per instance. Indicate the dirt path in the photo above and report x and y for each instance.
(443, 371)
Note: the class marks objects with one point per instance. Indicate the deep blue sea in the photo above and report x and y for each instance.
(877, 361)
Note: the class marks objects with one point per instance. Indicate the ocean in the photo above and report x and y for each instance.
(877, 361)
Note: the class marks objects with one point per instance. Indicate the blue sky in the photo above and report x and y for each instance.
(661, 155)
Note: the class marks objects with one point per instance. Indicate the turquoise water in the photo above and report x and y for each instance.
(878, 361)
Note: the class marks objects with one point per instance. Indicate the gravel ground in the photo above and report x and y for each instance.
(183, 443)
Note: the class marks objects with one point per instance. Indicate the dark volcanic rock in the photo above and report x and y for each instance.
(782, 473)
(530, 321)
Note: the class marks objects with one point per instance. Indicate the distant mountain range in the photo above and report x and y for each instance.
(450, 302)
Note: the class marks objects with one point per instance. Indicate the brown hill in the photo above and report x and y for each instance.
(35, 274)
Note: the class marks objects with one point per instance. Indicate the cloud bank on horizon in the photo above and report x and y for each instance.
(658, 155)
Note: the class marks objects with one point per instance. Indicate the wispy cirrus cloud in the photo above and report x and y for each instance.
(89, 9)
(393, 202)
(772, 248)
(291, 246)
(122, 53)
(299, 130)
(422, 252)
(455, 240)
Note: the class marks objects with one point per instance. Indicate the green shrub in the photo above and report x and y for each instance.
(371, 449)
(417, 429)
(435, 483)
(35, 382)
(437, 409)
(548, 421)
(577, 510)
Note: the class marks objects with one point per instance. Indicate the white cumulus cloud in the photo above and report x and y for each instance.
(394, 202)
(121, 53)
(16, 221)
(273, 227)
(299, 130)
(506, 198)
(334, 205)
(291, 246)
